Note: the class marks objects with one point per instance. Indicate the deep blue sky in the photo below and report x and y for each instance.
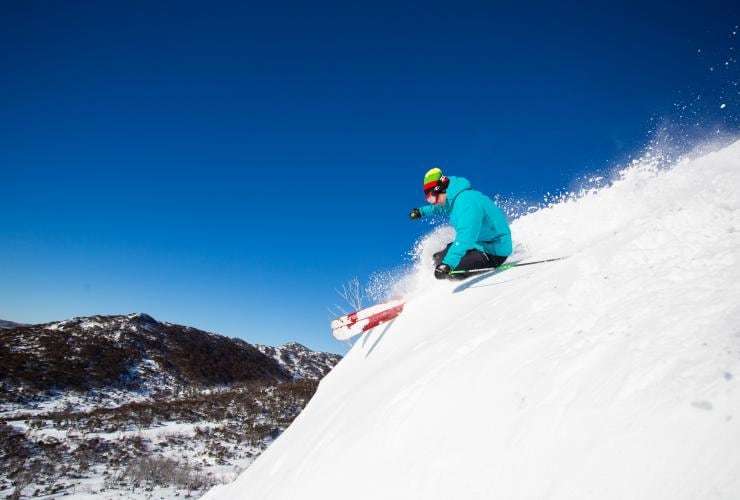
(226, 165)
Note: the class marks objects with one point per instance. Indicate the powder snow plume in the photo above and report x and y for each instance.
(612, 374)
(572, 217)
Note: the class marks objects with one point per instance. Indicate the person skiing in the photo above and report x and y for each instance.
(482, 235)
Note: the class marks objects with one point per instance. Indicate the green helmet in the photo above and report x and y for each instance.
(435, 181)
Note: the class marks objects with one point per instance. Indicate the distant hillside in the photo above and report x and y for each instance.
(9, 324)
(128, 406)
(301, 361)
(137, 352)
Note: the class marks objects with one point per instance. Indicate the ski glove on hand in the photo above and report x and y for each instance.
(442, 271)
(415, 214)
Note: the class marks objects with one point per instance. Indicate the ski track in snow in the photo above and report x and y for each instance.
(612, 374)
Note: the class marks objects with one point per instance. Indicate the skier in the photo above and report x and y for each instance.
(483, 237)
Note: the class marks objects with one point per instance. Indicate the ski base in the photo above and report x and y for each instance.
(366, 319)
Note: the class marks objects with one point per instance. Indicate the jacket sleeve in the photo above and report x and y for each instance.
(467, 230)
(427, 210)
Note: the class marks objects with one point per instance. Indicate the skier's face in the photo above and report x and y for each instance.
(439, 199)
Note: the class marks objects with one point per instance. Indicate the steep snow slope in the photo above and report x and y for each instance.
(612, 374)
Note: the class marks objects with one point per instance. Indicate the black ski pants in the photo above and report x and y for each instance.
(473, 259)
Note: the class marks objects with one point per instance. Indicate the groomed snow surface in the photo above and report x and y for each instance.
(612, 375)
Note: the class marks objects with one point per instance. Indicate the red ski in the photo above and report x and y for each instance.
(366, 319)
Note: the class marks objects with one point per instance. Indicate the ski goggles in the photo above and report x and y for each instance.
(433, 189)
(432, 197)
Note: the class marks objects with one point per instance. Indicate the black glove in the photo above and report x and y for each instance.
(442, 271)
(415, 214)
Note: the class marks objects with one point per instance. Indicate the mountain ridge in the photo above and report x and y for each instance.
(135, 352)
(9, 324)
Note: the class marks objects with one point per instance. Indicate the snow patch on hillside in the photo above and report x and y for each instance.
(301, 362)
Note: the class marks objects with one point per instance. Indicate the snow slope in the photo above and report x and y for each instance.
(613, 374)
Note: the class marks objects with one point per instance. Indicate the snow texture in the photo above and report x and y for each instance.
(612, 374)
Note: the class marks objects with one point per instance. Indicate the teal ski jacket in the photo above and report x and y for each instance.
(479, 223)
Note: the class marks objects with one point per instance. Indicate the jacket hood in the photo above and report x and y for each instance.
(457, 186)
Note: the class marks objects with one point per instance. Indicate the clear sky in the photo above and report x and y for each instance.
(226, 165)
